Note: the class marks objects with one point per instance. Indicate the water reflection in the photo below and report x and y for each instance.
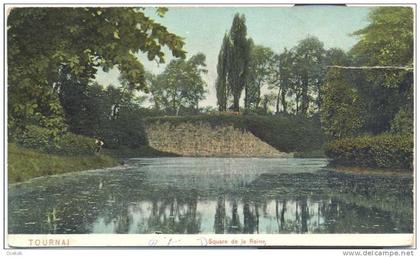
(210, 195)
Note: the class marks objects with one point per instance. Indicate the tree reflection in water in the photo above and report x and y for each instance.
(220, 216)
(137, 201)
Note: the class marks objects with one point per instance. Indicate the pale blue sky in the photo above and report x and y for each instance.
(203, 29)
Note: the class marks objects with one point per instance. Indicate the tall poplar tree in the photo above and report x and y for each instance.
(221, 81)
(239, 56)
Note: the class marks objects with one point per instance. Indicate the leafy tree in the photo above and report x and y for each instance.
(76, 100)
(127, 129)
(268, 100)
(342, 109)
(112, 114)
(386, 41)
(181, 84)
(239, 57)
(336, 56)
(222, 89)
(308, 57)
(44, 41)
(333, 56)
(281, 78)
(259, 73)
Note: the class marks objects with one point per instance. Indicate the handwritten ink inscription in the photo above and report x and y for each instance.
(207, 241)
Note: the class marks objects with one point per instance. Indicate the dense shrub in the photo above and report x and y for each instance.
(39, 138)
(126, 131)
(403, 122)
(287, 133)
(36, 137)
(72, 144)
(382, 151)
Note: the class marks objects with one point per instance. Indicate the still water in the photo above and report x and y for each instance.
(212, 195)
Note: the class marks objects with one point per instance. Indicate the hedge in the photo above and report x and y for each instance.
(40, 139)
(381, 151)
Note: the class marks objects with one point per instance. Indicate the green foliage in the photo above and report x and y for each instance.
(112, 114)
(222, 89)
(382, 151)
(308, 70)
(24, 164)
(213, 119)
(287, 133)
(342, 111)
(259, 72)
(180, 85)
(386, 41)
(267, 101)
(238, 59)
(403, 122)
(281, 78)
(41, 139)
(44, 41)
(385, 95)
(72, 144)
(35, 137)
(125, 130)
(336, 56)
(298, 74)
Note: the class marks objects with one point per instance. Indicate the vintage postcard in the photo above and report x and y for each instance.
(210, 125)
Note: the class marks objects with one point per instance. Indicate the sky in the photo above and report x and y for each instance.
(203, 29)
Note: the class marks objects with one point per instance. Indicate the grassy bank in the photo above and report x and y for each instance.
(24, 164)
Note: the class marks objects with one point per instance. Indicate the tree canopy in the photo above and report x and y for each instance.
(387, 93)
(42, 42)
(180, 85)
(261, 58)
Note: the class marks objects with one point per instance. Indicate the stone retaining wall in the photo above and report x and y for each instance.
(201, 139)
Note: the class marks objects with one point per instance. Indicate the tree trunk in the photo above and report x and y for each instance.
(177, 111)
(283, 101)
(236, 103)
(114, 111)
(305, 98)
(246, 100)
(278, 101)
(224, 107)
(319, 97)
(257, 104)
(223, 98)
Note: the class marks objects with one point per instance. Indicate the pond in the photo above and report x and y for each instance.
(212, 195)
